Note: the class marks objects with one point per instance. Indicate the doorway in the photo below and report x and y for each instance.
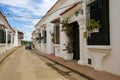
(76, 45)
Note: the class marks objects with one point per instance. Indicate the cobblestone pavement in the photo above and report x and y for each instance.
(21, 65)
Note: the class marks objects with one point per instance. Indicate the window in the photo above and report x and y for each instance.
(99, 10)
(44, 36)
(57, 33)
(2, 36)
(39, 35)
(9, 38)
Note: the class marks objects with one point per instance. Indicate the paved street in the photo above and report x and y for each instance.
(68, 73)
(22, 65)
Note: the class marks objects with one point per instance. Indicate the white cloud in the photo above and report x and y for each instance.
(28, 8)
(19, 12)
(34, 7)
(18, 3)
(35, 21)
(43, 7)
(29, 26)
(27, 36)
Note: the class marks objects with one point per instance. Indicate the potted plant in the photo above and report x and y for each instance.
(93, 26)
(69, 48)
(69, 32)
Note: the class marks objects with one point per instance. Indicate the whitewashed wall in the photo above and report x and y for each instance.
(112, 63)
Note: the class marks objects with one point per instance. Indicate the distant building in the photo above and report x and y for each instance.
(17, 37)
(98, 49)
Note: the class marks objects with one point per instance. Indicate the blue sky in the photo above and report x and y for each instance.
(24, 14)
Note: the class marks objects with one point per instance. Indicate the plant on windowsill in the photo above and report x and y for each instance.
(37, 38)
(41, 38)
(93, 26)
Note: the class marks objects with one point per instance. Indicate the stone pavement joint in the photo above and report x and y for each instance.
(85, 71)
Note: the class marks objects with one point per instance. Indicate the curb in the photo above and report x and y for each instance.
(89, 78)
(5, 55)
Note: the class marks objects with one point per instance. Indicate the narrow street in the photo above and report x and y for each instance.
(22, 65)
(25, 65)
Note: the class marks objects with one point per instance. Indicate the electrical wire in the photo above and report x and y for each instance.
(24, 17)
(1, 9)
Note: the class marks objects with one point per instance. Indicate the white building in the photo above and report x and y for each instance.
(17, 37)
(100, 50)
(9, 37)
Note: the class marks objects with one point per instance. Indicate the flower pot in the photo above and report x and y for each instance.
(68, 56)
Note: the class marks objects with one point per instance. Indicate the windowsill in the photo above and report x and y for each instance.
(2, 44)
(56, 45)
(44, 44)
(98, 47)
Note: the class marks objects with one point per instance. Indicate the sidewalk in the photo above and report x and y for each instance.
(83, 70)
(5, 55)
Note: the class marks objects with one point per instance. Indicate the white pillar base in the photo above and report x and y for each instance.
(81, 62)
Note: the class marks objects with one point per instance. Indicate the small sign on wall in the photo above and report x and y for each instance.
(85, 34)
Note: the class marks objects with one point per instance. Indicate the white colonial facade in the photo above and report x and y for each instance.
(100, 50)
(8, 36)
(17, 37)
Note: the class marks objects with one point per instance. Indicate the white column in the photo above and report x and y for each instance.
(82, 24)
(11, 38)
(16, 38)
(6, 38)
(82, 45)
(63, 41)
(42, 44)
(49, 38)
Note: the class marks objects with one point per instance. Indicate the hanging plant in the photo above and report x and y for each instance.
(65, 24)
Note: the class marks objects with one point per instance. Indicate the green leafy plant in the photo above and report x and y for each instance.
(68, 47)
(68, 28)
(65, 24)
(93, 24)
